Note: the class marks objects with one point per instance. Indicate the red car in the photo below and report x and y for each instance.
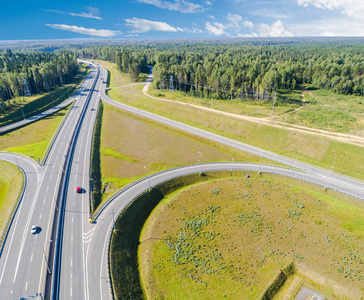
(79, 190)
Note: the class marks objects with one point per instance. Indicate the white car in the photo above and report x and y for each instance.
(34, 229)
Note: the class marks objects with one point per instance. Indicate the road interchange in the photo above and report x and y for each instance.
(83, 259)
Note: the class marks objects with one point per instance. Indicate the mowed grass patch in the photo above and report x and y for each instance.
(247, 107)
(305, 147)
(230, 238)
(142, 146)
(10, 184)
(32, 140)
(330, 111)
(118, 78)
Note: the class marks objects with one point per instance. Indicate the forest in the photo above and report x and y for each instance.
(41, 71)
(254, 70)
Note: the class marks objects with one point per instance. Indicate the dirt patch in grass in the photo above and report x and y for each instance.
(230, 238)
(142, 146)
(32, 140)
(10, 183)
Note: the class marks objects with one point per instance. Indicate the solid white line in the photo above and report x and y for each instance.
(26, 230)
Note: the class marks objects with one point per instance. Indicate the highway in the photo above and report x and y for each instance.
(22, 265)
(99, 287)
(82, 262)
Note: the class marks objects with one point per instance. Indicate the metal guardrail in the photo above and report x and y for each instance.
(14, 210)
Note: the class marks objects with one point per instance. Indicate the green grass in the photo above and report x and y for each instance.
(330, 111)
(10, 183)
(143, 146)
(36, 104)
(32, 140)
(234, 236)
(112, 153)
(308, 148)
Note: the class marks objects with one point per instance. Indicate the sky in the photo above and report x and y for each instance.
(192, 19)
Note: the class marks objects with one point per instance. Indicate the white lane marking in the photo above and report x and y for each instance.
(72, 219)
(26, 286)
(40, 216)
(87, 236)
(31, 258)
(12, 236)
(26, 230)
(71, 238)
(71, 291)
(44, 200)
(11, 292)
(103, 258)
(71, 261)
(41, 176)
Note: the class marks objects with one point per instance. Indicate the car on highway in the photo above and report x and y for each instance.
(34, 229)
(79, 190)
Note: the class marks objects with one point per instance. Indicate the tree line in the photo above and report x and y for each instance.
(40, 70)
(221, 70)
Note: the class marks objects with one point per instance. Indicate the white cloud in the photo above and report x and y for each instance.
(342, 26)
(208, 2)
(179, 5)
(352, 8)
(85, 15)
(234, 19)
(248, 24)
(330, 4)
(264, 30)
(87, 31)
(143, 25)
(275, 30)
(216, 28)
(212, 17)
(92, 14)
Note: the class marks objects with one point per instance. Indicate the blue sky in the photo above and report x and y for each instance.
(40, 19)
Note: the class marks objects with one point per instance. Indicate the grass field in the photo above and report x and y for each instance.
(236, 106)
(33, 105)
(228, 239)
(32, 140)
(297, 145)
(142, 146)
(10, 183)
(315, 108)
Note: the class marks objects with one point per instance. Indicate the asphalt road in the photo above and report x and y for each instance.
(22, 265)
(354, 187)
(84, 246)
(98, 281)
